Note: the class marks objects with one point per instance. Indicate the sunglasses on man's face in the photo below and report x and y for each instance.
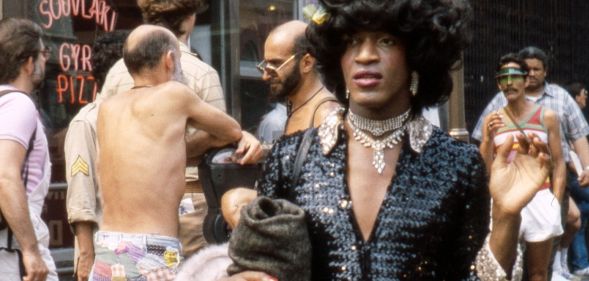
(510, 79)
(265, 66)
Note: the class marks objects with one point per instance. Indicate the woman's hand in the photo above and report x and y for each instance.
(513, 185)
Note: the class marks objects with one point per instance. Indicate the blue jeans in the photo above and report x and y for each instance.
(579, 257)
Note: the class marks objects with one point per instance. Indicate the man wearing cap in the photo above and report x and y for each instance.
(179, 16)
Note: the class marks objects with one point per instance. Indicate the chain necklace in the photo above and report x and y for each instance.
(291, 111)
(396, 129)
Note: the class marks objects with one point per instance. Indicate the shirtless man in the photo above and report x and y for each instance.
(141, 140)
(290, 70)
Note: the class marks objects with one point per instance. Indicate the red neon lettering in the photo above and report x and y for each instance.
(66, 12)
(75, 54)
(72, 90)
(95, 87)
(81, 80)
(113, 21)
(75, 7)
(100, 11)
(91, 13)
(52, 9)
(44, 11)
(64, 61)
(62, 86)
(86, 55)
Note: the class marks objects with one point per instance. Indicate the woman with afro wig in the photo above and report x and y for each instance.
(387, 195)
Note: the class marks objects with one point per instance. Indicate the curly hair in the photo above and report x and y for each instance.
(435, 32)
(169, 13)
(19, 41)
(107, 49)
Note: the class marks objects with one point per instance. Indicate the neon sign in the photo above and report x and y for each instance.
(99, 11)
(75, 83)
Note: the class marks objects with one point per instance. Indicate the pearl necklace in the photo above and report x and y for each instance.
(394, 126)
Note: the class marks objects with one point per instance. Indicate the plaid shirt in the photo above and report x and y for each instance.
(572, 122)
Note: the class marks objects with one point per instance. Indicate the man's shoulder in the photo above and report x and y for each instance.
(171, 87)
(194, 66)
(16, 100)
(556, 90)
(86, 113)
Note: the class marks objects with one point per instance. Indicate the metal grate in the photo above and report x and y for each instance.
(561, 28)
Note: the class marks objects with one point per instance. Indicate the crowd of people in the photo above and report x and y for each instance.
(356, 185)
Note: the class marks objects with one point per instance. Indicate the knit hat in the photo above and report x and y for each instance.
(272, 237)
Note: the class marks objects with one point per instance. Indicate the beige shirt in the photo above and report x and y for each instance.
(82, 201)
(199, 76)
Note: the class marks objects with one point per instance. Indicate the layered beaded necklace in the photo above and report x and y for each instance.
(369, 133)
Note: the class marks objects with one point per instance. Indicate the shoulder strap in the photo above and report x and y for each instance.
(322, 101)
(12, 91)
(301, 155)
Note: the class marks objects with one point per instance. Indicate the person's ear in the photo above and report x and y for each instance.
(168, 60)
(29, 66)
(307, 63)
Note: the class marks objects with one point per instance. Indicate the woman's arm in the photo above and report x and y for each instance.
(512, 186)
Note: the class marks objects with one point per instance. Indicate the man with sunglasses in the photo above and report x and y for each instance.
(541, 217)
(289, 69)
(573, 126)
(25, 168)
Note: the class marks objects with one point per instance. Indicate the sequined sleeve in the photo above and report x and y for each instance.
(474, 218)
(489, 269)
(485, 266)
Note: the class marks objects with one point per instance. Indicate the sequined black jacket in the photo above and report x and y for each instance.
(433, 221)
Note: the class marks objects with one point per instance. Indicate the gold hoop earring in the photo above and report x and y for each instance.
(414, 83)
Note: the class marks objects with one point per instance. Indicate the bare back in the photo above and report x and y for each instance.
(142, 156)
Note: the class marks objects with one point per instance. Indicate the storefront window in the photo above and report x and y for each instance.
(257, 19)
(71, 27)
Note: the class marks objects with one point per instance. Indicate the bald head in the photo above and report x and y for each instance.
(287, 34)
(146, 45)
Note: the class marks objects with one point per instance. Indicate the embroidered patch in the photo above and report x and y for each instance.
(80, 166)
(171, 257)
